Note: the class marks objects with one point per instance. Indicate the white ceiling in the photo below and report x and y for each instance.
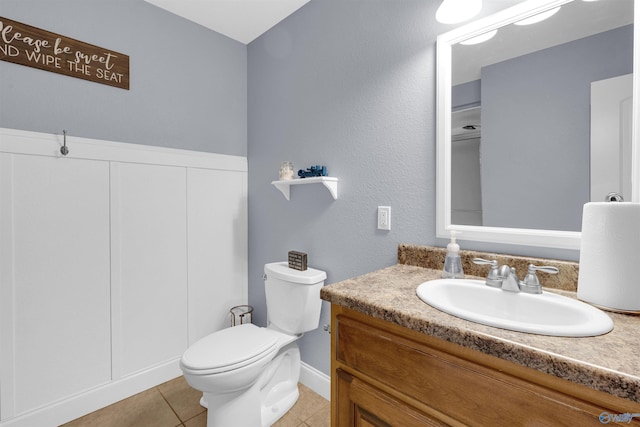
(246, 20)
(241, 20)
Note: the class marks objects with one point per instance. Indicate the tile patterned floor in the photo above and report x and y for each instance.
(175, 404)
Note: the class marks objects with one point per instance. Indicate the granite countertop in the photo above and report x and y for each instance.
(608, 363)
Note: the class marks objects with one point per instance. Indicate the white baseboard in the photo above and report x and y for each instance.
(76, 406)
(91, 400)
(315, 380)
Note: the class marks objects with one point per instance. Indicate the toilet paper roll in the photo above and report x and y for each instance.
(609, 274)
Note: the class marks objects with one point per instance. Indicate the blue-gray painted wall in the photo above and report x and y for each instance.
(349, 84)
(188, 83)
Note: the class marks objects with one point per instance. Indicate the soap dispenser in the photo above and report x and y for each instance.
(452, 262)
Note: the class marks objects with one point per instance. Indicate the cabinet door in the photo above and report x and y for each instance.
(217, 248)
(149, 265)
(54, 270)
(361, 404)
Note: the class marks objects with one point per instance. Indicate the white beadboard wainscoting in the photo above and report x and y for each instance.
(113, 260)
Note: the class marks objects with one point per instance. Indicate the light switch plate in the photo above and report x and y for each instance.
(384, 217)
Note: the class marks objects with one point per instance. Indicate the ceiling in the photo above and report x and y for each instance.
(241, 20)
(246, 20)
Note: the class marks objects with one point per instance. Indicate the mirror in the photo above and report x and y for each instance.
(520, 140)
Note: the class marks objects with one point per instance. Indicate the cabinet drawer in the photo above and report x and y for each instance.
(361, 404)
(469, 393)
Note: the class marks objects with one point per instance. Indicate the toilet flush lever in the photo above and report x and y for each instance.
(264, 276)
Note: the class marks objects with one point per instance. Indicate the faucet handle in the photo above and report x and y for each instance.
(544, 268)
(531, 284)
(493, 278)
(481, 261)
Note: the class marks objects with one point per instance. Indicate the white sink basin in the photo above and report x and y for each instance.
(545, 314)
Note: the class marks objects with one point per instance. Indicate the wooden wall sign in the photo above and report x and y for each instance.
(26, 45)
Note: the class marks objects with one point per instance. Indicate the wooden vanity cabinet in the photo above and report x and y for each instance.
(387, 375)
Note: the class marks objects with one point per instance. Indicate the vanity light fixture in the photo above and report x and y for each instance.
(456, 11)
(539, 17)
(481, 38)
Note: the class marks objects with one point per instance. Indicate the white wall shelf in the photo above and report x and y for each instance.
(328, 181)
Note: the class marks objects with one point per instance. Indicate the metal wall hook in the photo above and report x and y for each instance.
(64, 150)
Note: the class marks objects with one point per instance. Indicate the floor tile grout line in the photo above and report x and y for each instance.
(189, 419)
(174, 411)
(170, 407)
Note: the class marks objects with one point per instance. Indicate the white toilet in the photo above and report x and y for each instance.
(248, 374)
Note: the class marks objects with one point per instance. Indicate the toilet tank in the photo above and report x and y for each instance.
(293, 297)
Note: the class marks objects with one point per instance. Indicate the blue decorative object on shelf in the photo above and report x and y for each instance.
(313, 171)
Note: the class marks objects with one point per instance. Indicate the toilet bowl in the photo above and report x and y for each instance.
(249, 374)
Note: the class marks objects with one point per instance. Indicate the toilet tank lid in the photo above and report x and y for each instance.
(281, 270)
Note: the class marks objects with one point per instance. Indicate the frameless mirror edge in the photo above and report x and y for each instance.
(515, 236)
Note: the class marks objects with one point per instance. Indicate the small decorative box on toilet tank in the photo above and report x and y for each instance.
(297, 260)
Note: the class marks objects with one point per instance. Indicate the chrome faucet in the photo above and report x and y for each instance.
(505, 277)
(509, 278)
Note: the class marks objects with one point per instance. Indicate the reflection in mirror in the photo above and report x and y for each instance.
(466, 190)
(527, 140)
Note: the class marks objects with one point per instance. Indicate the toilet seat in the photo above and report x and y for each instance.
(229, 349)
